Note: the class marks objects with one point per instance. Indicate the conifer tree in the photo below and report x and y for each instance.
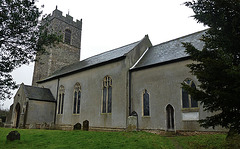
(21, 37)
(217, 65)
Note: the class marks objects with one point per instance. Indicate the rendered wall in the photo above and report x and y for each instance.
(40, 112)
(163, 84)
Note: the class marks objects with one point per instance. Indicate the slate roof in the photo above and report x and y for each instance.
(94, 60)
(169, 51)
(37, 93)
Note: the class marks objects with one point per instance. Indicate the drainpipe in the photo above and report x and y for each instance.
(130, 94)
(55, 114)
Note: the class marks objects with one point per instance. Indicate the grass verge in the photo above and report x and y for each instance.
(57, 139)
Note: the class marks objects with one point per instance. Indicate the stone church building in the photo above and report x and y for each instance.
(107, 88)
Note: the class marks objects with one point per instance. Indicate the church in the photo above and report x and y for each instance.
(137, 79)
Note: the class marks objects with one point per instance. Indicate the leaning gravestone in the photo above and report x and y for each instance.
(13, 135)
(86, 125)
(77, 126)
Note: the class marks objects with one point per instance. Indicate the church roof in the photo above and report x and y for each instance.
(37, 93)
(169, 51)
(94, 61)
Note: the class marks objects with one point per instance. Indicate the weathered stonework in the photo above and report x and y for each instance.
(61, 54)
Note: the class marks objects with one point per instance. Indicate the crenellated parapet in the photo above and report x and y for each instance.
(67, 19)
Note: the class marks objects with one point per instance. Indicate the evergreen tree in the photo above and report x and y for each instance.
(21, 37)
(217, 65)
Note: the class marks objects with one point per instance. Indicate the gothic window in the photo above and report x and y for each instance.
(67, 38)
(107, 95)
(187, 100)
(76, 98)
(146, 104)
(60, 100)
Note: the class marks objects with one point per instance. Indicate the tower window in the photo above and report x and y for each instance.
(67, 38)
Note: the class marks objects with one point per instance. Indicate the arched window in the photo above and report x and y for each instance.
(107, 95)
(76, 98)
(146, 109)
(187, 100)
(67, 38)
(60, 100)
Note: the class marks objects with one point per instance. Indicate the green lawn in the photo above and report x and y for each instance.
(56, 139)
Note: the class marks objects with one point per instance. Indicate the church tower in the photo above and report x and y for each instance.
(62, 54)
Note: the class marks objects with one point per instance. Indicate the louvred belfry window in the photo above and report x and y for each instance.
(68, 35)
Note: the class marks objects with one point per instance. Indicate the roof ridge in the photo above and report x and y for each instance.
(146, 36)
(180, 37)
(34, 86)
(110, 50)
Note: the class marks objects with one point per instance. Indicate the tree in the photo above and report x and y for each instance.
(217, 65)
(22, 35)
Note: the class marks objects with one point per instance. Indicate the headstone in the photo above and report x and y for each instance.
(86, 125)
(132, 123)
(13, 135)
(77, 126)
(134, 113)
(1, 123)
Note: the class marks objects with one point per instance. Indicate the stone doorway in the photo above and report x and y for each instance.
(170, 117)
(17, 115)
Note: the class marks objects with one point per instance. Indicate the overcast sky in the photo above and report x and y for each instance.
(109, 24)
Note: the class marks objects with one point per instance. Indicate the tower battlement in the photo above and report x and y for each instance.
(65, 52)
(67, 19)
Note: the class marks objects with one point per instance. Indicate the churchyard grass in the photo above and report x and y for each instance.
(57, 139)
(210, 141)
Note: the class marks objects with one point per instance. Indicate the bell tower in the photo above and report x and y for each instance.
(63, 53)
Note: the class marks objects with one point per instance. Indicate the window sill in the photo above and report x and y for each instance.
(190, 109)
(190, 121)
(146, 116)
(76, 114)
(106, 113)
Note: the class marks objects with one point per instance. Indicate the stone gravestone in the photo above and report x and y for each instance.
(77, 126)
(1, 123)
(132, 122)
(86, 125)
(13, 135)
